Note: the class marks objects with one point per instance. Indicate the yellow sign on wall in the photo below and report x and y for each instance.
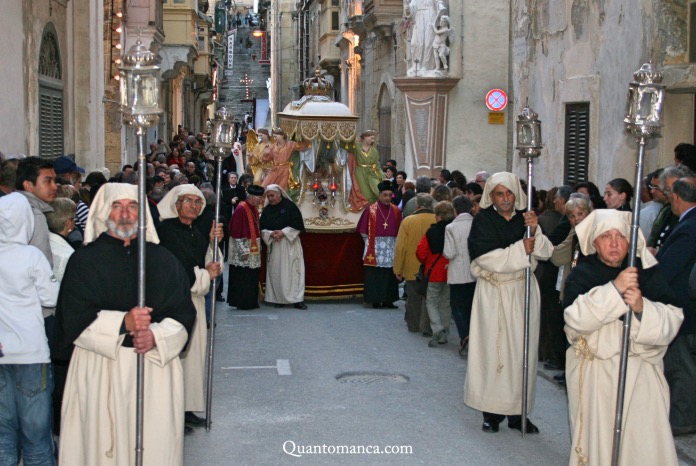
(496, 118)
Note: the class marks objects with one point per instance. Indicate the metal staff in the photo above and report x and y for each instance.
(643, 113)
(529, 145)
(142, 232)
(223, 137)
(139, 76)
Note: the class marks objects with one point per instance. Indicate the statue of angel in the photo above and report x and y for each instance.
(256, 143)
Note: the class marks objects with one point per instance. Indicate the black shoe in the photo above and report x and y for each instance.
(490, 426)
(219, 298)
(277, 305)
(193, 420)
(188, 430)
(427, 334)
(389, 306)
(248, 308)
(517, 424)
(463, 345)
(552, 366)
(559, 377)
(377, 305)
(683, 430)
(302, 306)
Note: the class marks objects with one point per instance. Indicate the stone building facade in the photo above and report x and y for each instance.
(573, 61)
(372, 40)
(53, 79)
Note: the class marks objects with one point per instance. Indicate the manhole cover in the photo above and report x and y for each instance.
(371, 377)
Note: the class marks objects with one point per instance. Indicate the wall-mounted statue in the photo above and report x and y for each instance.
(423, 16)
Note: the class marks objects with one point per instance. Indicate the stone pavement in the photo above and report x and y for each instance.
(277, 381)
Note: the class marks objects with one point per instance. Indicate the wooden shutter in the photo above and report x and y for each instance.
(577, 142)
(50, 122)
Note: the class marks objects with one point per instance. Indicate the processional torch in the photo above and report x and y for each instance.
(139, 77)
(643, 121)
(529, 145)
(223, 138)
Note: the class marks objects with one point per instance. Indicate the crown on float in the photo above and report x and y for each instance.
(317, 85)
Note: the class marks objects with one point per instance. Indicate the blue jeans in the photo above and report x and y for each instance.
(26, 414)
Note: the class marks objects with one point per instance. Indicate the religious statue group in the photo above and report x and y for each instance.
(281, 162)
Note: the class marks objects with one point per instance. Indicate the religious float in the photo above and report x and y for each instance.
(322, 184)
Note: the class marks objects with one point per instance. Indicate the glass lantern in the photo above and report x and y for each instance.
(644, 104)
(223, 129)
(528, 133)
(140, 87)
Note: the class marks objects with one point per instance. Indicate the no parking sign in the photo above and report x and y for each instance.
(496, 100)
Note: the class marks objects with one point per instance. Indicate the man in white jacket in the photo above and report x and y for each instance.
(26, 379)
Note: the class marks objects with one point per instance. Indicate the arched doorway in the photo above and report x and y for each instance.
(50, 95)
(384, 112)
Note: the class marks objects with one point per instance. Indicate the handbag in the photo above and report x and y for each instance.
(423, 277)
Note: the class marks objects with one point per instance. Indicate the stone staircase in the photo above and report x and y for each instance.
(234, 89)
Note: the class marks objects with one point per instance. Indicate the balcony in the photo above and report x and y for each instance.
(380, 16)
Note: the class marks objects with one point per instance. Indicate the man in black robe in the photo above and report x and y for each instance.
(232, 193)
(245, 252)
(379, 226)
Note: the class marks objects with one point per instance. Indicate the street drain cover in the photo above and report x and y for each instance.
(371, 377)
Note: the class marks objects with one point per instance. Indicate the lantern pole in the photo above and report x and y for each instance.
(529, 145)
(139, 77)
(643, 121)
(223, 138)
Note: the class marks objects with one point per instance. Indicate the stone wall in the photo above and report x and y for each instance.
(587, 51)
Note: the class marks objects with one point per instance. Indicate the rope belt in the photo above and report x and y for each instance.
(583, 352)
(493, 280)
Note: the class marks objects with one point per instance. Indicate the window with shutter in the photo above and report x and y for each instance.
(50, 96)
(51, 122)
(577, 142)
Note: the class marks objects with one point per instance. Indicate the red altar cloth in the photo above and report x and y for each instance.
(333, 265)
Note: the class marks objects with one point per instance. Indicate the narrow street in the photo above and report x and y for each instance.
(276, 393)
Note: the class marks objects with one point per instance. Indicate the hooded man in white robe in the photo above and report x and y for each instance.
(178, 210)
(500, 255)
(101, 330)
(598, 293)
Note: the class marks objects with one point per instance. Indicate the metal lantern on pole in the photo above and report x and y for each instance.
(644, 121)
(222, 140)
(529, 145)
(139, 77)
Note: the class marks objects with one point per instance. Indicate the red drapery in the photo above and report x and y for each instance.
(333, 265)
